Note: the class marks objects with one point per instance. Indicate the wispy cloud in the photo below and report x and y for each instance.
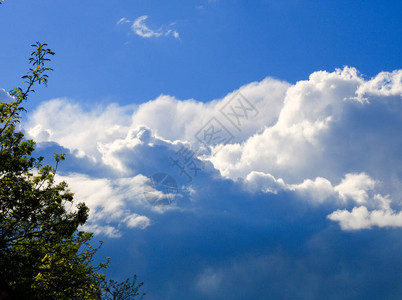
(123, 21)
(140, 28)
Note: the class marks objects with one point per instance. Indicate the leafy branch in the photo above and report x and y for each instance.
(9, 112)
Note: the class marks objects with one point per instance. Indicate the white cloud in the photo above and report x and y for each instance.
(141, 29)
(123, 21)
(293, 145)
(317, 139)
(135, 220)
(316, 191)
(110, 201)
(384, 84)
(176, 34)
(106, 230)
(259, 181)
(361, 218)
(323, 131)
(355, 186)
(68, 124)
(180, 120)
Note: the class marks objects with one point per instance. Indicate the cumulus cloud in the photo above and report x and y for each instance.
(361, 218)
(141, 29)
(259, 181)
(333, 138)
(110, 202)
(135, 220)
(384, 84)
(355, 186)
(307, 162)
(70, 125)
(322, 130)
(318, 190)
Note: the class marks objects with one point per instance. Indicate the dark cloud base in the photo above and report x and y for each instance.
(232, 244)
(288, 250)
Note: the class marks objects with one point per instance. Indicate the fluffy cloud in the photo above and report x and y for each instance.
(324, 130)
(361, 218)
(290, 198)
(299, 145)
(330, 139)
(384, 84)
(68, 124)
(110, 201)
(355, 186)
(135, 220)
(141, 29)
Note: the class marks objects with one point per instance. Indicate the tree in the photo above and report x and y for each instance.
(39, 239)
(125, 290)
(43, 254)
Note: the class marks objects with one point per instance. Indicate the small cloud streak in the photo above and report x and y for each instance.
(123, 21)
(141, 29)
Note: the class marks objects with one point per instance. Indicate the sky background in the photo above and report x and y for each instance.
(302, 197)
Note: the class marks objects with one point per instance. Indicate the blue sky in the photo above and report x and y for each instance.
(222, 46)
(298, 197)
